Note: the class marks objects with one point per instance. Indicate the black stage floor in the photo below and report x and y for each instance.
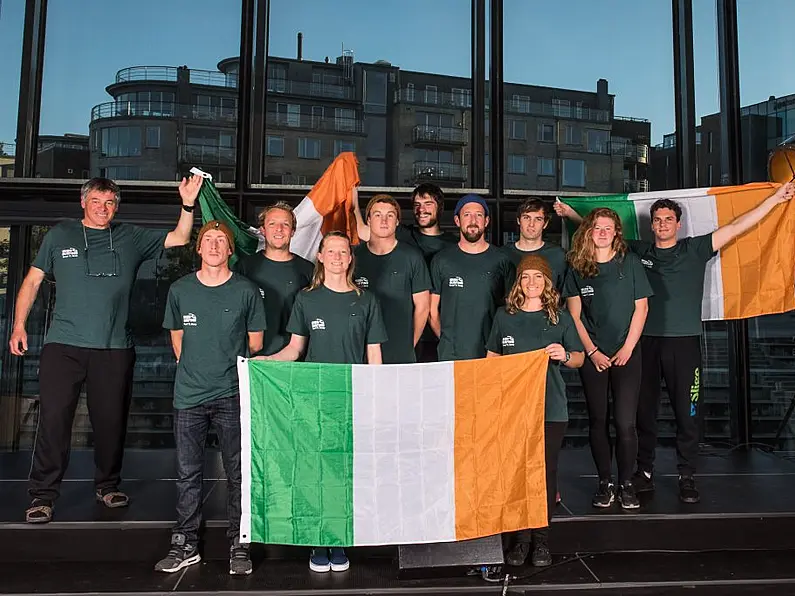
(739, 540)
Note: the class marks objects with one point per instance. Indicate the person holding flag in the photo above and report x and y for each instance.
(396, 273)
(213, 316)
(333, 321)
(533, 320)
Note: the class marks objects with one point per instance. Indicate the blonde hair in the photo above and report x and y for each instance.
(319, 274)
(550, 298)
(282, 206)
(582, 256)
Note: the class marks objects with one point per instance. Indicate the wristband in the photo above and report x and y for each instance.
(592, 352)
(188, 208)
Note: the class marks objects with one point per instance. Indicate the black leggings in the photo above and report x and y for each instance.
(624, 384)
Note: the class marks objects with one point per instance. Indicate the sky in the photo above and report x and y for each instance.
(566, 44)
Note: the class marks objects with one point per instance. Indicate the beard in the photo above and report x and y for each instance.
(431, 223)
(473, 234)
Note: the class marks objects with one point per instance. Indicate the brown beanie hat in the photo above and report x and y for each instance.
(535, 263)
(217, 225)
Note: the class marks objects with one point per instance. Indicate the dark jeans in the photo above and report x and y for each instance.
(624, 383)
(678, 361)
(191, 427)
(426, 349)
(107, 375)
(553, 442)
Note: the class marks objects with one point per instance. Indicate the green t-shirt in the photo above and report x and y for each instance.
(554, 254)
(676, 275)
(91, 310)
(528, 331)
(215, 322)
(394, 278)
(470, 287)
(338, 325)
(608, 300)
(427, 245)
(279, 282)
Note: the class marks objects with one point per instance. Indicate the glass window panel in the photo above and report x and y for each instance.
(12, 17)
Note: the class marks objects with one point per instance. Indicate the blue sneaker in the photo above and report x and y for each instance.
(318, 560)
(339, 560)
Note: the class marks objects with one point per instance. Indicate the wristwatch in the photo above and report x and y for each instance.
(188, 208)
(568, 357)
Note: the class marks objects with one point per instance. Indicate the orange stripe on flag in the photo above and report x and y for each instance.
(331, 195)
(758, 267)
(500, 481)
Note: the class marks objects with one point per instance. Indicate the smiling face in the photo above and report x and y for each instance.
(533, 283)
(383, 220)
(277, 227)
(214, 248)
(472, 221)
(426, 211)
(99, 207)
(532, 225)
(664, 224)
(335, 255)
(603, 233)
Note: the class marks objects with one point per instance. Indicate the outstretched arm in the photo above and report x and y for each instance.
(725, 234)
(566, 211)
(188, 192)
(362, 229)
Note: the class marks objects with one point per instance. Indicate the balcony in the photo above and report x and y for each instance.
(302, 88)
(634, 152)
(171, 74)
(207, 154)
(423, 134)
(280, 120)
(461, 101)
(163, 109)
(636, 186)
(431, 170)
(549, 110)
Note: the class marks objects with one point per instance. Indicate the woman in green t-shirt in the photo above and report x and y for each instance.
(607, 294)
(334, 321)
(532, 320)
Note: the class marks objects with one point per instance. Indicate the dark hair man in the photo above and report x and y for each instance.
(396, 273)
(671, 340)
(279, 273)
(94, 263)
(470, 280)
(214, 316)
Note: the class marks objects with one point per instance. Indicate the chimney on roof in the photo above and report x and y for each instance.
(300, 46)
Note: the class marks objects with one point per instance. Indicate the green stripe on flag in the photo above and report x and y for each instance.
(214, 207)
(618, 203)
(301, 453)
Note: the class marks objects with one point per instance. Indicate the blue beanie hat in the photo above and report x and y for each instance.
(471, 198)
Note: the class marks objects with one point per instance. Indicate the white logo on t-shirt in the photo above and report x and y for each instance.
(508, 341)
(318, 324)
(69, 253)
(586, 291)
(647, 263)
(189, 320)
(262, 292)
(455, 282)
(362, 282)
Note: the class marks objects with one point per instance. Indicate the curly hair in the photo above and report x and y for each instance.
(582, 256)
(319, 274)
(550, 299)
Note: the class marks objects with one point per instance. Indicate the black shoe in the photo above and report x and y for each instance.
(643, 481)
(627, 496)
(688, 493)
(605, 495)
(541, 555)
(180, 555)
(239, 559)
(518, 554)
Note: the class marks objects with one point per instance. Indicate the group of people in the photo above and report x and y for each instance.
(625, 313)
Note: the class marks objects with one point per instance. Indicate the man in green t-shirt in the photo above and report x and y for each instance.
(671, 340)
(425, 234)
(396, 274)
(469, 281)
(279, 273)
(533, 218)
(94, 263)
(214, 316)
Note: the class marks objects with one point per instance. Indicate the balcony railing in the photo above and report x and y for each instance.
(326, 90)
(637, 152)
(207, 154)
(162, 109)
(433, 98)
(549, 110)
(439, 135)
(308, 122)
(431, 170)
(636, 185)
(171, 74)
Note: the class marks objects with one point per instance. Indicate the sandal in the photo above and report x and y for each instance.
(39, 512)
(113, 499)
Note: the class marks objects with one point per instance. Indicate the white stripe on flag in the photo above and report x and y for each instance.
(403, 453)
(245, 449)
(308, 230)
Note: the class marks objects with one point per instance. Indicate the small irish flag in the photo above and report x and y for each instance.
(348, 455)
(752, 275)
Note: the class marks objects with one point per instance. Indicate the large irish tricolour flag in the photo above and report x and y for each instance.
(752, 275)
(344, 455)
